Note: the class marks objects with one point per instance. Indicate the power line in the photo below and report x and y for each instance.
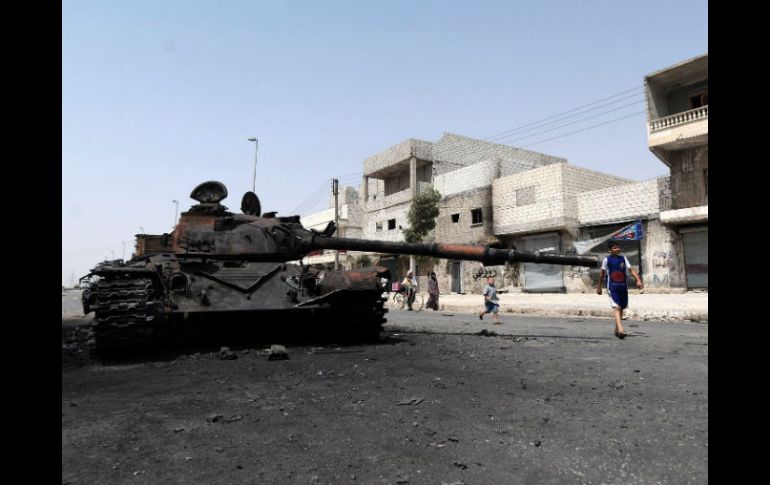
(572, 115)
(564, 112)
(310, 197)
(576, 121)
(586, 129)
(318, 195)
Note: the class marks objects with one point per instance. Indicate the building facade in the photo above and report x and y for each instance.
(677, 133)
(519, 199)
(461, 169)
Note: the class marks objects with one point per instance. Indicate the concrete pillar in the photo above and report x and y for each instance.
(366, 190)
(413, 175)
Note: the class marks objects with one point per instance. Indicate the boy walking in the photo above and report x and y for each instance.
(614, 267)
(490, 300)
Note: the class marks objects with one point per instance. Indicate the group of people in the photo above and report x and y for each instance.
(409, 286)
(614, 268)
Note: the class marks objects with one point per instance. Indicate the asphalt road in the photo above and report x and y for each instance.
(546, 401)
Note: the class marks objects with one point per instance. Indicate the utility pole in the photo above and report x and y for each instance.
(124, 250)
(335, 191)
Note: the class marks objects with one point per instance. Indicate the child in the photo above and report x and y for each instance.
(490, 300)
(614, 267)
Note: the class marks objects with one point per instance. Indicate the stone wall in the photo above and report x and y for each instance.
(547, 210)
(620, 203)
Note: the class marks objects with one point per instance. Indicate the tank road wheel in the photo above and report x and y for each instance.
(125, 317)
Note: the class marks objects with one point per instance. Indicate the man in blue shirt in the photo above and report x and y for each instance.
(614, 267)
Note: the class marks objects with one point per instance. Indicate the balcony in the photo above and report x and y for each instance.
(380, 201)
(681, 130)
(679, 119)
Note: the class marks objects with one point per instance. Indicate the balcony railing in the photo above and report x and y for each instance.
(382, 201)
(696, 114)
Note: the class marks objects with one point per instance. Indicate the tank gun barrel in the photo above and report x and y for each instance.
(484, 254)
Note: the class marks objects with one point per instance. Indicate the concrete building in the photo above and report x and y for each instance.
(673, 255)
(603, 211)
(513, 198)
(461, 169)
(677, 133)
(538, 210)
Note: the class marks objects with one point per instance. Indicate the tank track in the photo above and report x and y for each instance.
(125, 313)
(364, 316)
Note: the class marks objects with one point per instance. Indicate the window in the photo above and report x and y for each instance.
(455, 218)
(698, 100)
(476, 217)
(525, 195)
(391, 224)
(378, 226)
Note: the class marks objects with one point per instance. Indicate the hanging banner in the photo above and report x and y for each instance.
(632, 232)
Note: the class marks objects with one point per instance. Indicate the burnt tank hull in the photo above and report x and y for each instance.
(144, 304)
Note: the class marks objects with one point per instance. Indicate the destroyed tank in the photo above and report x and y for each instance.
(246, 269)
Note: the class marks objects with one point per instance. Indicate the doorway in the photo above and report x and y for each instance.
(456, 271)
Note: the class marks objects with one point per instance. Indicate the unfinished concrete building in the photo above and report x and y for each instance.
(538, 210)
(677, 133)
(601, 212)
(461, 169)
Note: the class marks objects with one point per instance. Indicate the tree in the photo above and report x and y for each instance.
(422, 215)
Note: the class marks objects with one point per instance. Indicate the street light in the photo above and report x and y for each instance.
(256, 149)
(176, 211)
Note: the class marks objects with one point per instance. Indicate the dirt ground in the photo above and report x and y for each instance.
(413, 409)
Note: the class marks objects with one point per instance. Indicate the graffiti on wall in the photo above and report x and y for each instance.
(484, 273)
(511, 273)
(660, 279)
(661, 259)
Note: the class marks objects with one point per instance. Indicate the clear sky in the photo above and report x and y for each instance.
(159, 96)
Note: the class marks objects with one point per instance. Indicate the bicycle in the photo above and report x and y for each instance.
(398, 301)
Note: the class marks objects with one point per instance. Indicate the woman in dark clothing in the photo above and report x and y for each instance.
(432, 292)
